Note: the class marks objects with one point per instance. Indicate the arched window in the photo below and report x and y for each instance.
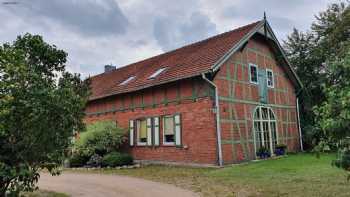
(265, 132)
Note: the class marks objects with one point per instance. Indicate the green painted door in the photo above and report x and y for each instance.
(262, 85)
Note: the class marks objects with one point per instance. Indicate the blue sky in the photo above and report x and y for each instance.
(119, 32)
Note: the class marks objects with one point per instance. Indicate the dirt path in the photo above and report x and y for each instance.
(96, 185)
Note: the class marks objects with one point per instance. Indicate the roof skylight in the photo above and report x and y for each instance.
(155, 74)
(127, 80)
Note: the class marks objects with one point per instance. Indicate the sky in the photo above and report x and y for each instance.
(119, 32)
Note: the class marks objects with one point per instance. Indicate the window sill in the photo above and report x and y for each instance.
(168, 144)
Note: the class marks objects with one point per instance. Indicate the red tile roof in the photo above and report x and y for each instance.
(185, 62)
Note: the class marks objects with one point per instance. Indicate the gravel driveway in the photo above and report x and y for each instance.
(97, 185)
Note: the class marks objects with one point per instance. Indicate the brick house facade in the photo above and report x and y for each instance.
(212, 102)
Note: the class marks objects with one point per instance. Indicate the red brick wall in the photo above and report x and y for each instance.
(239, 98)
(188, 97)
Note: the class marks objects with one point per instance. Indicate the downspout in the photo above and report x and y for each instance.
(299, 127)
(218, 126)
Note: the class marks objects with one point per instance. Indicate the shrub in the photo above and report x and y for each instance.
(78, 160)
(343, 160)
(114, 159)
(100, 138)
(95, 161)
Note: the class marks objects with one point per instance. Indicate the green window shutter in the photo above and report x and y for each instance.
(156, 131)
(131, 133)
(149, 131)
(262, 85)
(177, 120)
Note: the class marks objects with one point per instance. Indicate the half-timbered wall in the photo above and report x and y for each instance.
(238, 99)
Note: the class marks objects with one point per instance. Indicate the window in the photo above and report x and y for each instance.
(127, 80)
(147, 131)
(265, 129)
(172, 130)
(253, 73)
(141, 128)
(155, 74)
(270, 80)
(169, 130)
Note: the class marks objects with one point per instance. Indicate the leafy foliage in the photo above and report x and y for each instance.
(333, 116)
(95, 161)
(309, 52)
(78, 160)
(40, 106)
(114, 159)
(334, 113)
(100, 138)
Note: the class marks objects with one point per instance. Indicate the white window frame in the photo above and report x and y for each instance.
(267, 78)
(157, 73)
(138, 134)
(250, 73)
(126, 81)
(260, 120)
(164, 142)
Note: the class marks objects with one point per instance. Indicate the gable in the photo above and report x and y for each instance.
(263, 29)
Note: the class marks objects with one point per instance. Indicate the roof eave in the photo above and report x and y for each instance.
(146, 86)
(237, 46)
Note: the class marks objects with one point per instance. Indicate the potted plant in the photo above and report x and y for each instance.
(263, 152)
(280, 149)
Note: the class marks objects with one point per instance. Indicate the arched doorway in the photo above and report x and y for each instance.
(265, 128)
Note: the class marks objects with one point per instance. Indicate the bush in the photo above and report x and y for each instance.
(343, 160)
(100, 138)
(95, 161)
(78, 160)
(114, 159)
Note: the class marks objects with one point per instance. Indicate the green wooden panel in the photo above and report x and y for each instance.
(262, 78)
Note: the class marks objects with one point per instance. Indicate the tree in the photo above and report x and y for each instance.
(309, 53)
(333, 116)
(300, 48)
(41, 104)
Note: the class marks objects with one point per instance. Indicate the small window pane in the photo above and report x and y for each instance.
(253, 74)
(127, 80)
(155, 74)
(142, 131)
(270, 78)
(264, 113)
(257, 114)
(272, 117)
(169, 131)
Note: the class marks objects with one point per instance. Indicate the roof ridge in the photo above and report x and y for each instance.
(177, 49)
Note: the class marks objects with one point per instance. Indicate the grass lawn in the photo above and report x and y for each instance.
(295, 175)
(43, 193)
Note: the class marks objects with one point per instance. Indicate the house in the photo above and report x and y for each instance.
(216, 101)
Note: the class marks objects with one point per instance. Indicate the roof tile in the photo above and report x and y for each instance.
(185, 62)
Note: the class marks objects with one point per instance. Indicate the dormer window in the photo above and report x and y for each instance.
(127, 80)
(155, 74)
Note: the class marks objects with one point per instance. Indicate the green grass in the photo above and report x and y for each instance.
(295, 175)
(43, 193)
